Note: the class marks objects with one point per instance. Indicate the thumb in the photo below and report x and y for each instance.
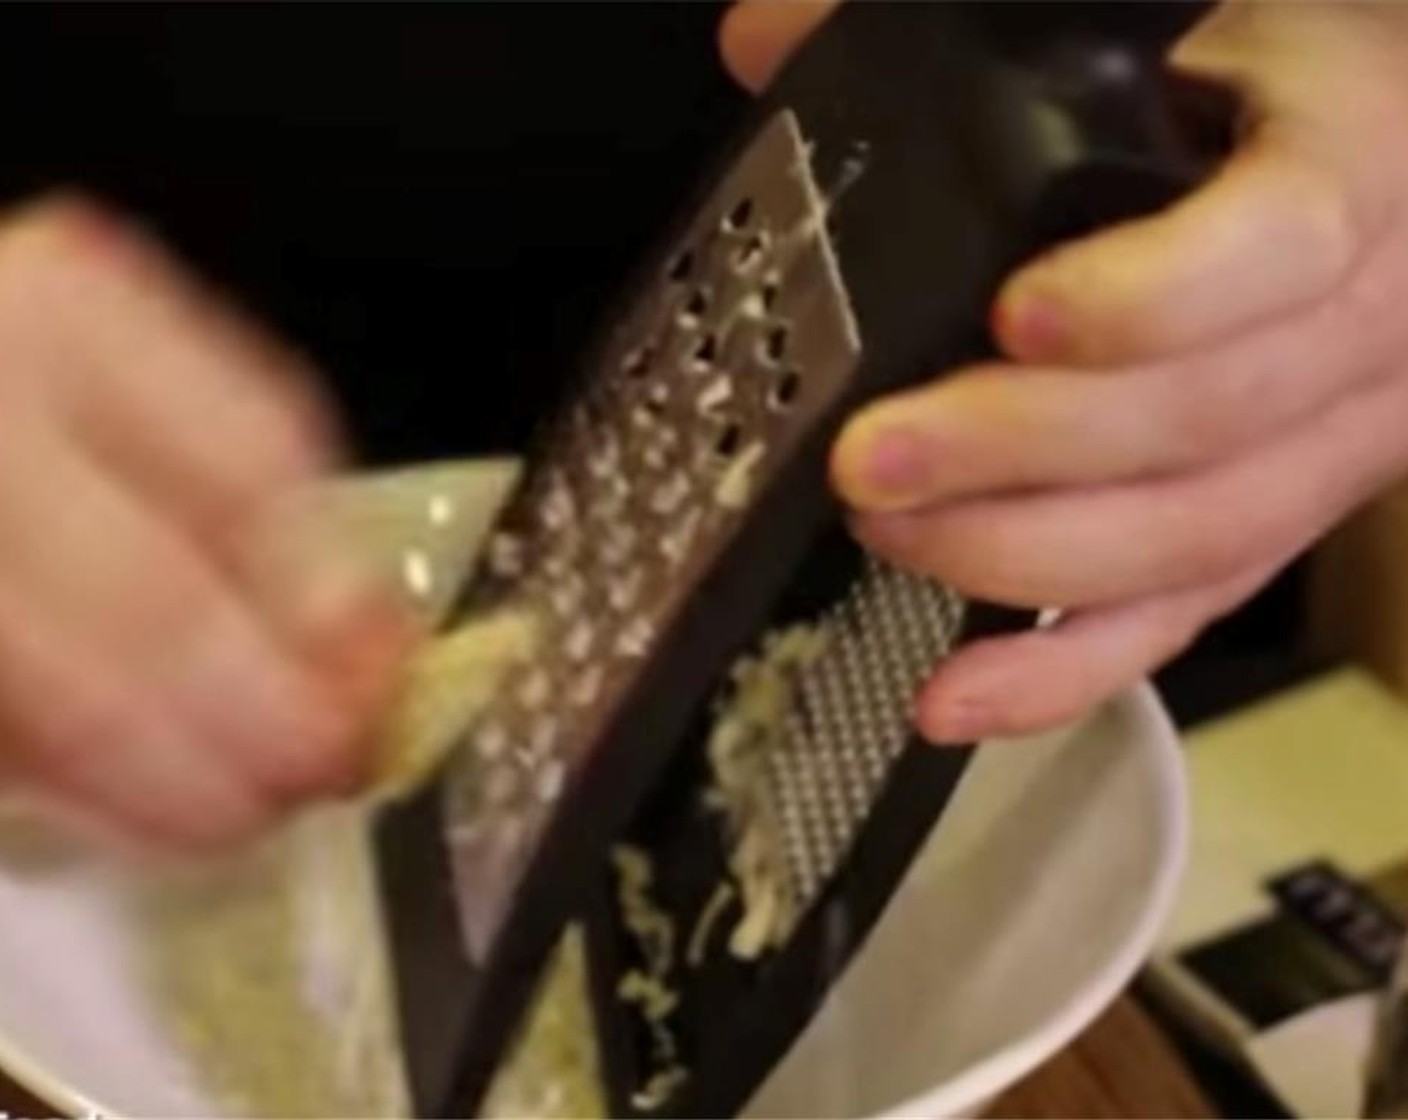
(757, 36)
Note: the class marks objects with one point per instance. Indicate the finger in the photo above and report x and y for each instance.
(199, 412)
(1085, 547)
(74, 730)
(206, 415)
(1031, 682)
(328, 603)
(757, 37)
(1270, 233)
(1002, 427)
(43, 828)
(94, 563)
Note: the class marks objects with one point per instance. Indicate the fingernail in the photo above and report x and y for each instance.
(886, 466)
(1030, 324)
(955, 721)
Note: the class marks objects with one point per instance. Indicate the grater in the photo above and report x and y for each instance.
(674, 543)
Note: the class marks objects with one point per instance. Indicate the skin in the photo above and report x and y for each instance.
(1185, 402)
(176, 669)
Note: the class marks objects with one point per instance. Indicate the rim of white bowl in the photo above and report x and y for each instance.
(38, 1082)
(990, 1076)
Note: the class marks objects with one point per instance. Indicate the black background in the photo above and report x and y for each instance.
(431, 199)
(434, 200)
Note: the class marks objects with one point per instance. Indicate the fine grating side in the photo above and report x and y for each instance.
(804, 742)
(717, 371)
(850, 717)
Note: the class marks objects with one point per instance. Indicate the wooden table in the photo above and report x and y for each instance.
(1122, 1067)
(14, 1101)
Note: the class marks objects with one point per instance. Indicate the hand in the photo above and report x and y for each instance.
(1188, 401)
(175, 667)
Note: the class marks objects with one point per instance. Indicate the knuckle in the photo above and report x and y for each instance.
(1330, 224)
(1204, 418)
(1214, 554)
(337, 766)
(281, 449)
(994, 568)
(1131, 326)
(267, 452)
(65, 736)
(210, 828)
(1193, 429)
(313, 769)
(1368, 310)
(137, 614)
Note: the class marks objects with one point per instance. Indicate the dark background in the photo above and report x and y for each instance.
(433, 200)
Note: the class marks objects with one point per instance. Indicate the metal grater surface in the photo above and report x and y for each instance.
(851, 718)
(804, 744)
(806, 734)
(717, 371)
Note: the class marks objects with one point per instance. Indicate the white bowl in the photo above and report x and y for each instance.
(1030, 908)
(1033, 905)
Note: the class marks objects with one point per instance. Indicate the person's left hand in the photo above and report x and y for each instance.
(1189, 400)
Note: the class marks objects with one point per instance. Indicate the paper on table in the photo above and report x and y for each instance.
(1315, 1061)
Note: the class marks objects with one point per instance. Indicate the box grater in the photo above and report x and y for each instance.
(718, 709)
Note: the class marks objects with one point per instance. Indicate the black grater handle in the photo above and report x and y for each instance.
(958, 140)
(1058, 120)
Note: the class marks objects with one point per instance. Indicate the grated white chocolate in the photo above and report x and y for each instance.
(749, 724)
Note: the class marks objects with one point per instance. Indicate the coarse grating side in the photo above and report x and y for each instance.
(850, 717)
(715, 374)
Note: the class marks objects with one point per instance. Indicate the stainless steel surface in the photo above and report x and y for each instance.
(851, 720)
(714, 373)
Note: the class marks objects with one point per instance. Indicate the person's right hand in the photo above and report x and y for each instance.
(1185, 402)
(173, 670)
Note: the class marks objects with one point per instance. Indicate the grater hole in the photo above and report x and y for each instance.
(785, 391)
(682, 267)
(592, 414)
(750, 253)
(769, 291)
(774, 345)
(637, 363)
(706, 352)
(729, 441)
(741, 214)
(694, 307)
